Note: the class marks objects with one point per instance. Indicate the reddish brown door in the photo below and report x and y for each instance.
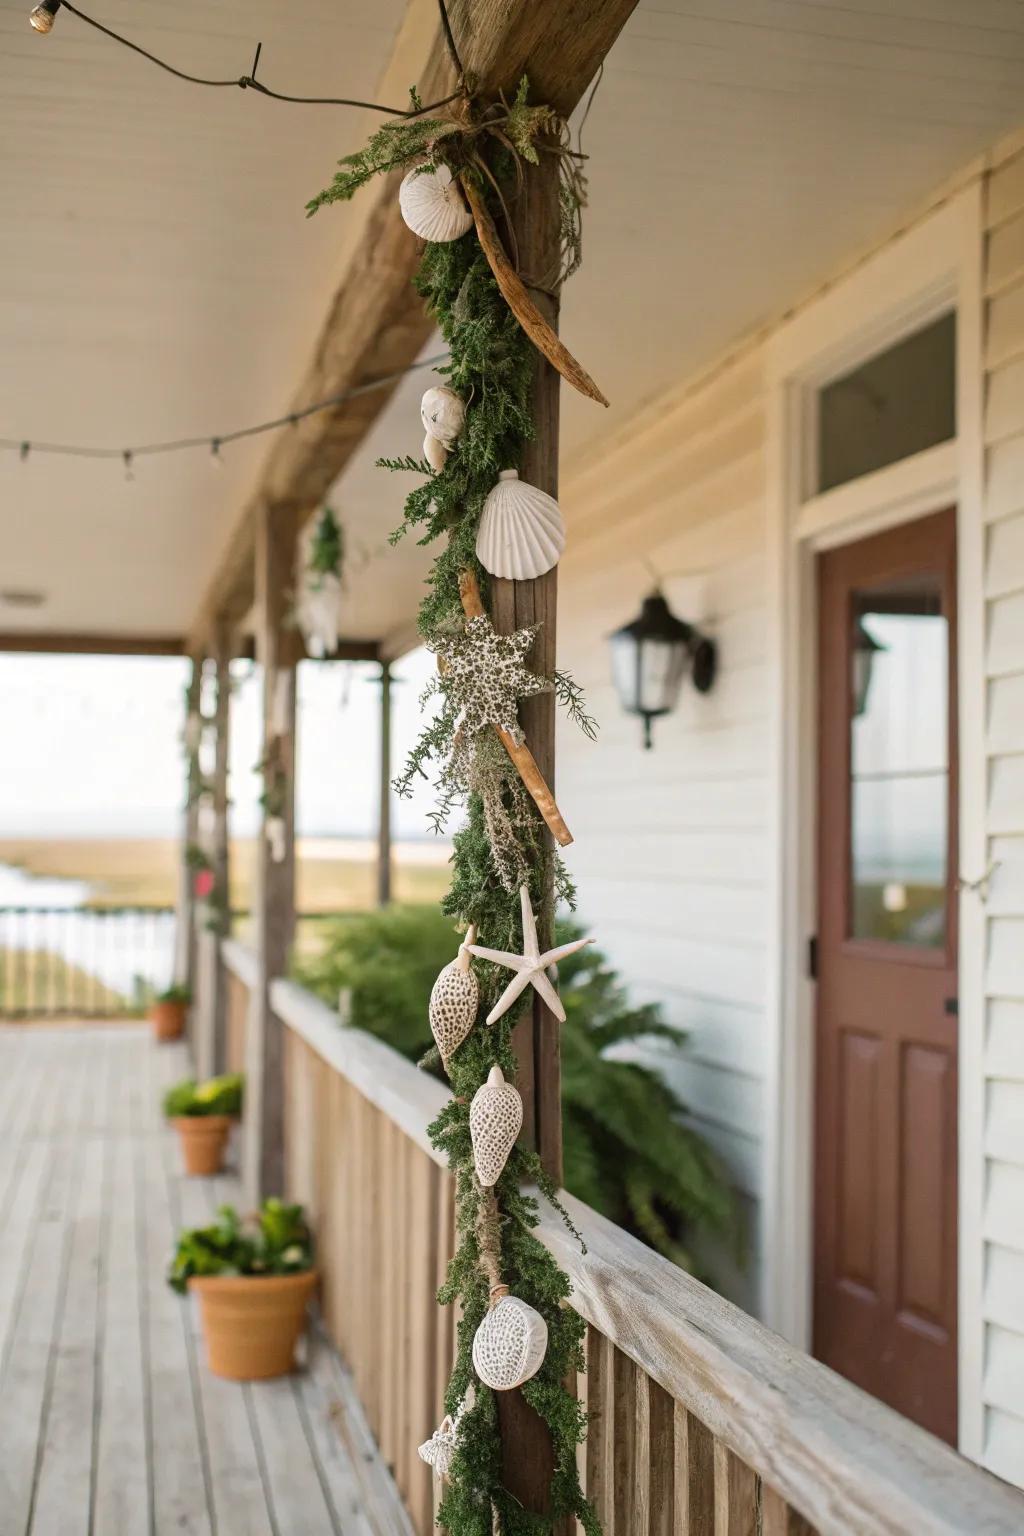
(886, 1114)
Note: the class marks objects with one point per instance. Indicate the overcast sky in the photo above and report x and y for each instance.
(92, 746)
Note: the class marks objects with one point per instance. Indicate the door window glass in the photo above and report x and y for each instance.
(899, 764)
(898, 403)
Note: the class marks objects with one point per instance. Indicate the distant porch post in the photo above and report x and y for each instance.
(184, 940)
(274, 896)
(384, 817)
(211, 1014)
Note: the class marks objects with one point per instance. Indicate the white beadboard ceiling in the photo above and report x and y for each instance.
(158, 278)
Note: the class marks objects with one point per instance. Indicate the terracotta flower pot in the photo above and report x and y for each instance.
(252, 1323)
(203, 1139)
(168, 1020)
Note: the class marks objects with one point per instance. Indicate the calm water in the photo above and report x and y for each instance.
(130, 952)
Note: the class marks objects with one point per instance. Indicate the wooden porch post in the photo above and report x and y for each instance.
(384, 819)
(274, 897)
(184, 937)
(212, 992)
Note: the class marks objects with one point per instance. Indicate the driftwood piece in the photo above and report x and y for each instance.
(519, 302)
(519, 752)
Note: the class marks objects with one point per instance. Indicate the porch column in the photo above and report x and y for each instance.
(184, 935)
(526, 1441)
(212, 992)
(384, 817)
(274, 894)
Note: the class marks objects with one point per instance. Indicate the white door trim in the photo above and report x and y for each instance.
(930, 269)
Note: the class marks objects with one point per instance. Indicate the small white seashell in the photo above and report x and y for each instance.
(319, 613)
(432, 205)
(439, 1450)
(454, 999)
(443, 414)
(277, 838)
(495, 1120)
(522, 531)
(435, 453)
(509, 1345)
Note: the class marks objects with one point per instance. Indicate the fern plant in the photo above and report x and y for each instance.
(629, 1152)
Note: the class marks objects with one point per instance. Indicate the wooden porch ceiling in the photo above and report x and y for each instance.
(157, 275)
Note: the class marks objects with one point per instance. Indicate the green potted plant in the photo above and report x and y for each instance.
(203, 1114)
(253, 1279)
(167, 1012)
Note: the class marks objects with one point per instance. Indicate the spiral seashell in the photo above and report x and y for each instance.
(435, 453)
(522, 531)
(443, 414)
(454, 999)
(510, 1344)
(439, 1450)
(432, 204)
(495, 1120)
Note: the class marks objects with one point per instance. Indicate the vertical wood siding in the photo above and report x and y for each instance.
(671, 844)
(1003, 1297)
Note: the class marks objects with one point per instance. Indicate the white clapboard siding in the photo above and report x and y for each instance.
(1003, 1227)
(671, 851)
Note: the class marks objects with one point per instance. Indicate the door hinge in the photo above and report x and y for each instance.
(812, 957)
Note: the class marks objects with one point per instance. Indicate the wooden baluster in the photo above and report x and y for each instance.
(660, 1459)
(778, 1519)
(600, 1477)
(736, 1495)
(694, 1476)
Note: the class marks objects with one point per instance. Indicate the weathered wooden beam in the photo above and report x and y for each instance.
(184, 942)
(56, 642)
(274, 903)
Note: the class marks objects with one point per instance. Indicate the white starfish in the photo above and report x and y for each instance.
(530, 967)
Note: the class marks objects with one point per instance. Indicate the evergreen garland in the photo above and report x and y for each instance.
(491, 367)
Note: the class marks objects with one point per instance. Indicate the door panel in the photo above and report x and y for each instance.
(886, 1131)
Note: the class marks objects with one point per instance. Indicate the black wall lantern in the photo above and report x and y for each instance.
(650, 658)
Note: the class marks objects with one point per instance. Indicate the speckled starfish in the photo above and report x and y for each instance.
(484, 675)
(530, 967)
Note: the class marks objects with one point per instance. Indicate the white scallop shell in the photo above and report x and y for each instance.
(443, 414)
(435, 453)
(510, 1344)
(522, 531)
(432, 205)
(495, 1120)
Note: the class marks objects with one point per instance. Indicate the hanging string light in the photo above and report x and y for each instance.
(44, 15)
(214, 442)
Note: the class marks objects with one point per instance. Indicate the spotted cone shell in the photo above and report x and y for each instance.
(432, 205)
(495, 1120)
(438, 1451)
(510, 1344)
(454, 999)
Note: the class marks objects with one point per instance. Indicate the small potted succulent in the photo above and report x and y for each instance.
(253, 1280)
(203, 1114)
(167, 1012)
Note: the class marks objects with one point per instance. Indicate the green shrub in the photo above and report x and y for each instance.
(217, 1096)
(174, 994)
(628, 1149)
(276, 1241)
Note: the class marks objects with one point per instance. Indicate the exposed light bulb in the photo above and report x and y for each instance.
(44, 15)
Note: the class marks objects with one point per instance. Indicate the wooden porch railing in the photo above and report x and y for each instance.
(704, 1422)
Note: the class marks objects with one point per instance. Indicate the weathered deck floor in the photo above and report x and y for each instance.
(110, 1424)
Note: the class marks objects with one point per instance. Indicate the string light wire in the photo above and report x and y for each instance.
(213, 442)
(250, 83)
